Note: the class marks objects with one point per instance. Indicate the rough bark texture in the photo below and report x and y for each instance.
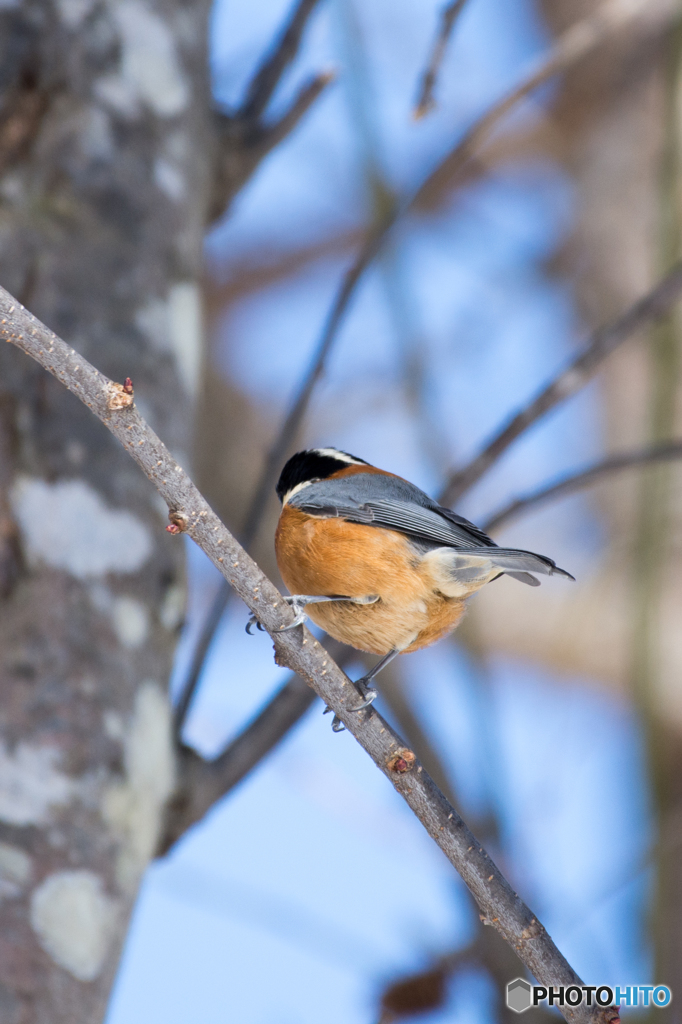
(104, 137)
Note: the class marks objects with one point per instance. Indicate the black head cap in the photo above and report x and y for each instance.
(313, 464)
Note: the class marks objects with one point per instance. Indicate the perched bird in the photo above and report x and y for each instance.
(377, 563)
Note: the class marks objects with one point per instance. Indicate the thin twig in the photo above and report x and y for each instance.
(298, 649)
(448, 17)
(303, 100)
(577, 481)
(577, 42)
(202, 783)
(243, 136)
(604, 341)
(570, 47)
(269, 74)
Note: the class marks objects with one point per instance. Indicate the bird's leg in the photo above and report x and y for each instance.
(297, 603)
(369, 693)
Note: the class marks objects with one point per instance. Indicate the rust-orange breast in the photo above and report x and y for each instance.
(332, 557)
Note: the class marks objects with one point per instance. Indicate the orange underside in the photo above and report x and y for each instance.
(333, 557)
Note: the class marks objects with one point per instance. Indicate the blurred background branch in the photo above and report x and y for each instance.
(647, 310)
(244, 139)
(576, 481)
(448, 17)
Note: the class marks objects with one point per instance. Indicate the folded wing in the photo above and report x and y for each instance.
(403, 507)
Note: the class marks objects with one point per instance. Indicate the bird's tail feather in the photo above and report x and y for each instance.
(516, 561)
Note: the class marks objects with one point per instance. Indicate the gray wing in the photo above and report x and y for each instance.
(395, 504)
(415, 521)
(377, 500)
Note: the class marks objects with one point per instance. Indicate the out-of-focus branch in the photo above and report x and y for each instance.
(428, 990)
(243, 142)
(448, 17)
(304, 99)
(577, 42)
(574, 44)
(190, 513)
(243, 137)
(285, 50)
(604, 341)
(233, 280)
(202, 783)
(587, 477)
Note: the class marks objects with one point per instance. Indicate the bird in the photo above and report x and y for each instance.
(376, 562)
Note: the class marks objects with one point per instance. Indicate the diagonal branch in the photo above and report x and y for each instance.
(604, 341)
(448, 17)
(577, 481)
(189, 512)
(243, 137)
(202, 783)
(301, 103)
(570, 47)
(575, 43)
(242, 143)
(269, 74)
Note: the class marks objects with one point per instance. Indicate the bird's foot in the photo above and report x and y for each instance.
(253, 621)
(297, 603)
(368, 693)
(337, 724)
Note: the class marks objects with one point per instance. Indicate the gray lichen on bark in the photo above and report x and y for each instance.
(104, 176)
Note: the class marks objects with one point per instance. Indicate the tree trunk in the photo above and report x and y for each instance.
(104, 146)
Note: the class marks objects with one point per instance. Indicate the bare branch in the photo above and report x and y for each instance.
(201, 649)
(269, 74)
(646, 311)
(577, 481)
(189, 512)
(304, 99)
(243, 137)
(244, 142)
(572, 46)
(202, 783)
(448, 17)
